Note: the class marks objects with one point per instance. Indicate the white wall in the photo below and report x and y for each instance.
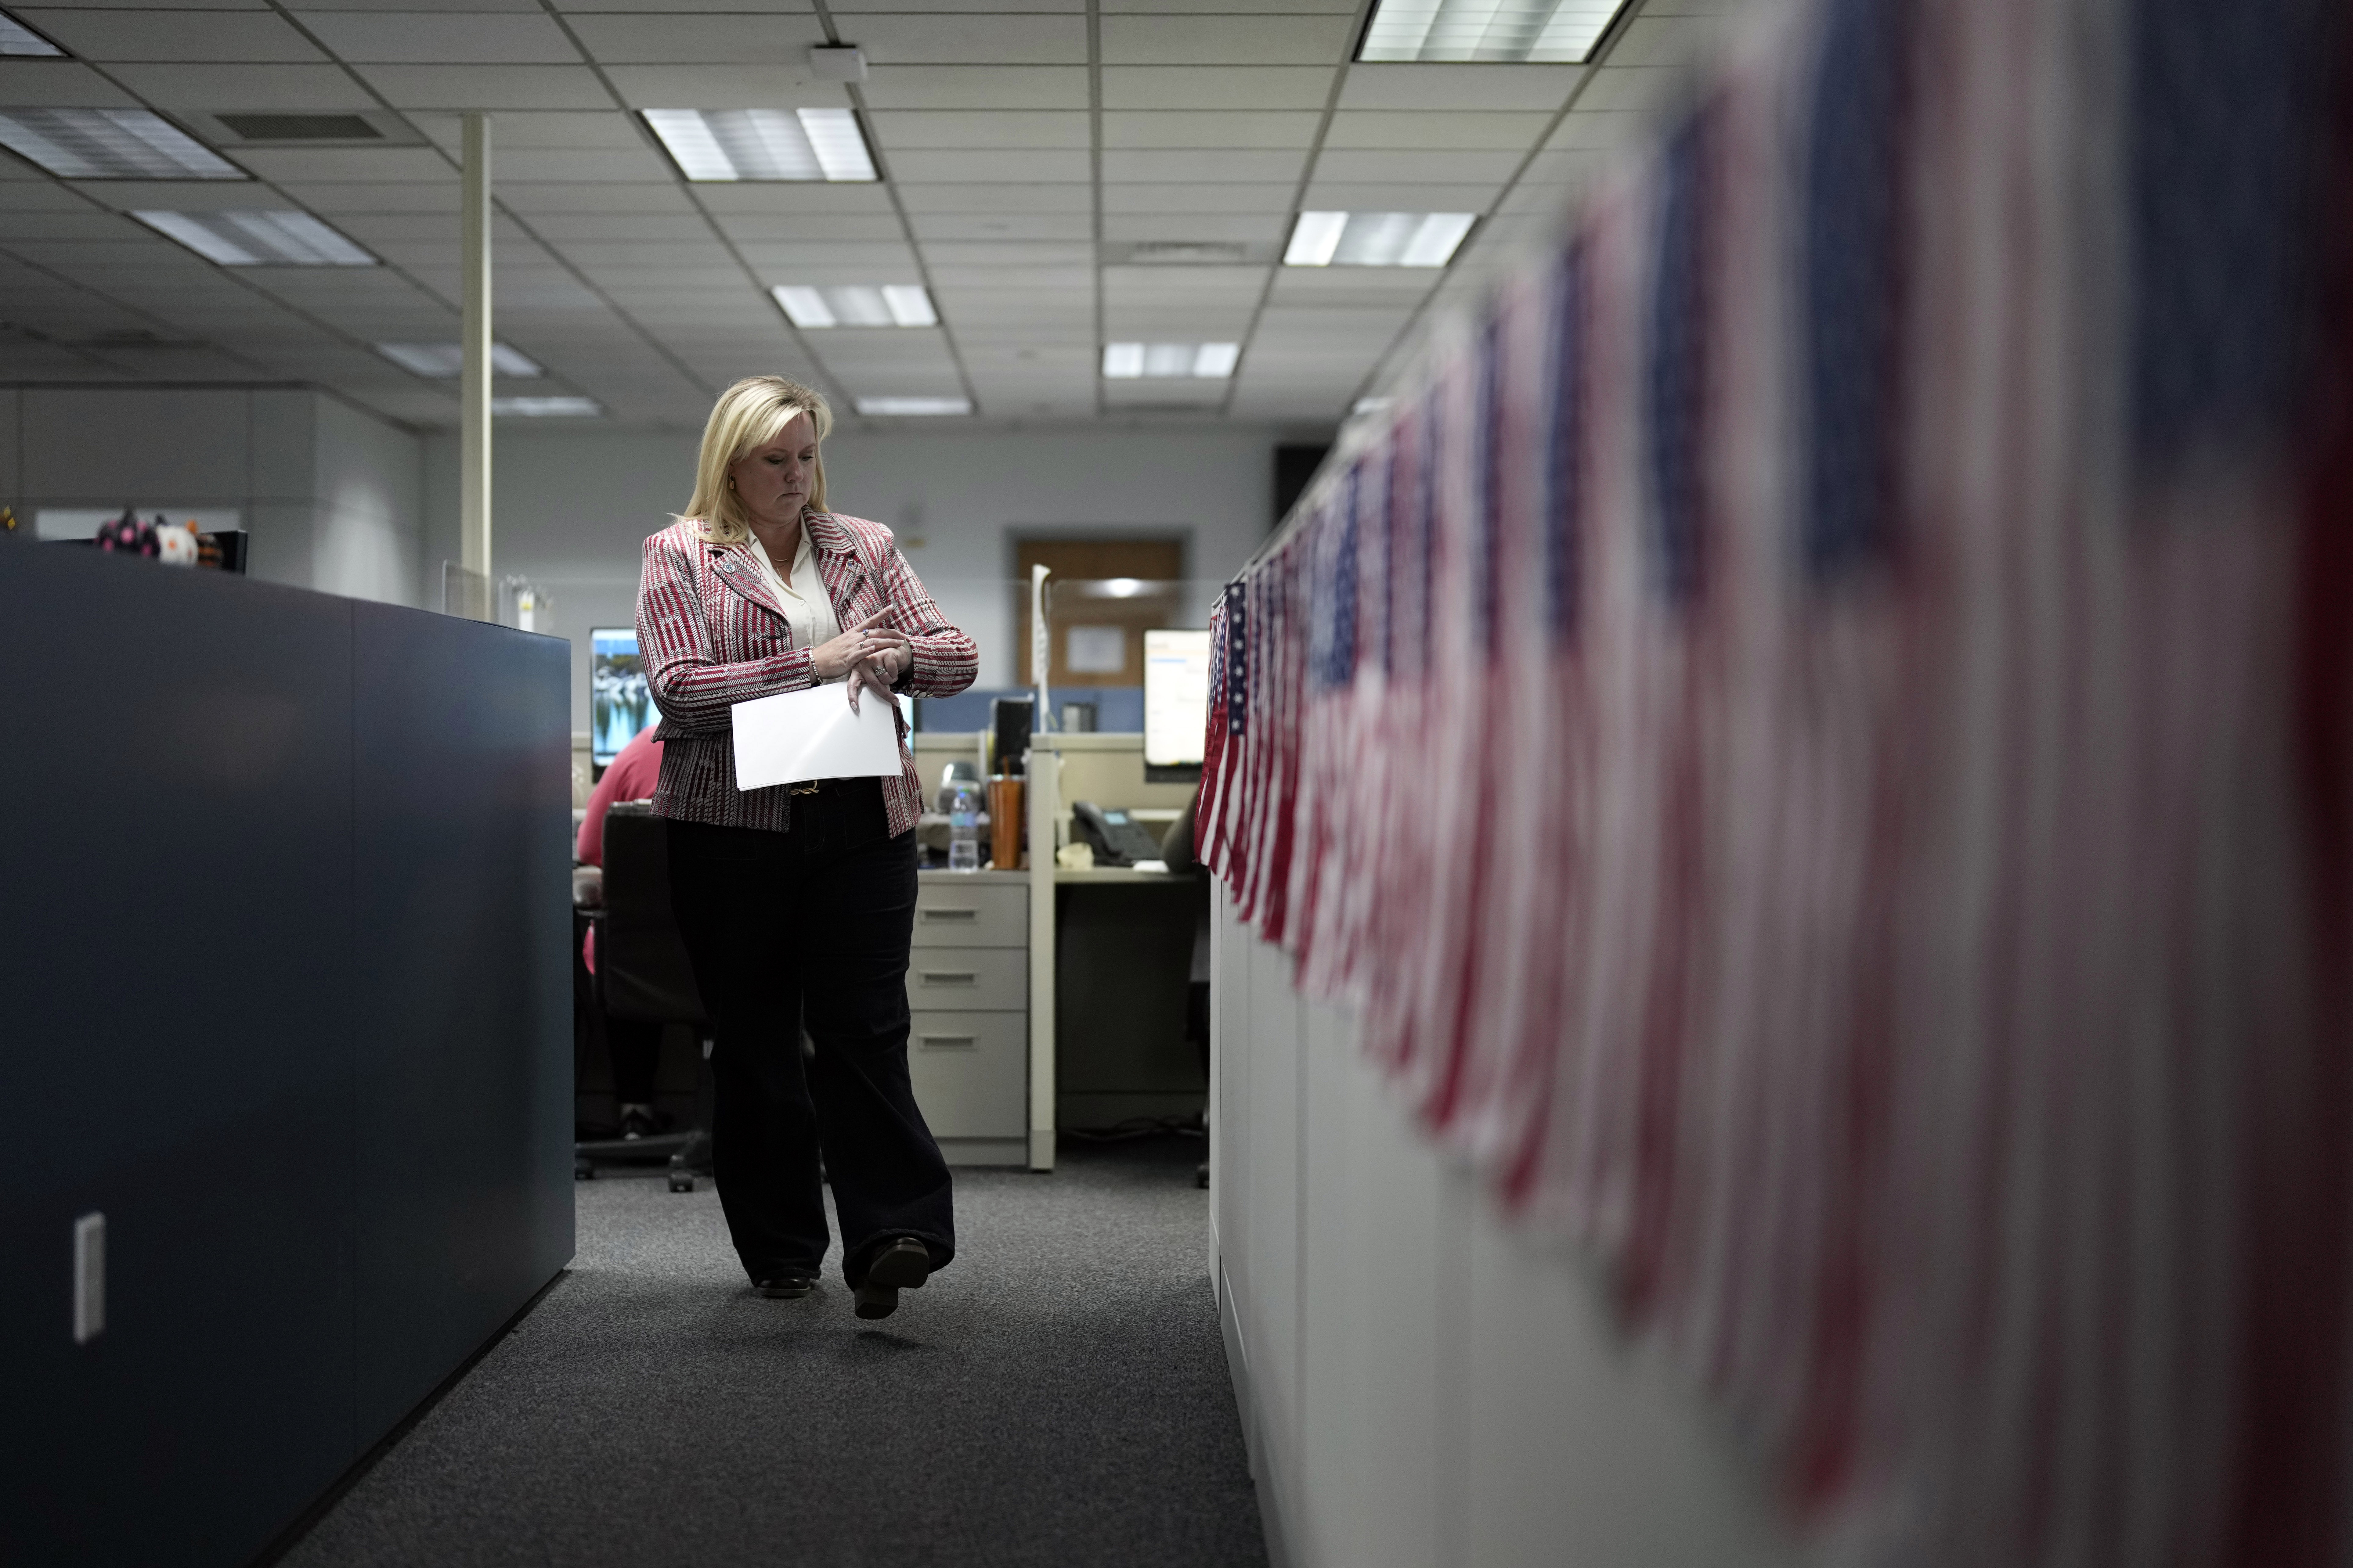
(332, 496)
(1421, 1387)
(571, 507)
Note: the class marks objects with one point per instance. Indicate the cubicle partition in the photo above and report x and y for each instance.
(284, 996)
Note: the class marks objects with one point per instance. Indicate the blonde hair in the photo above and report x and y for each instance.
(748, 416)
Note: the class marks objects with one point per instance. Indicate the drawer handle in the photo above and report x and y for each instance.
(950, 914)
(948, 1042)
(948, 977)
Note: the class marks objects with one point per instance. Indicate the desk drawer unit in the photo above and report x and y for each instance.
(971, 914)
(971, 1073)
(969, 979)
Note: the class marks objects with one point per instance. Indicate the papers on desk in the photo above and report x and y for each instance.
(1160, 867)
(813, 734)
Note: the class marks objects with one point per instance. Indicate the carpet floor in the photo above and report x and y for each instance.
(1059, 1396)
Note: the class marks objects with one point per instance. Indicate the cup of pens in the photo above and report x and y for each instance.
(1004, 824)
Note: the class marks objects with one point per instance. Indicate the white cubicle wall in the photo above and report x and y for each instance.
(1420, 1385)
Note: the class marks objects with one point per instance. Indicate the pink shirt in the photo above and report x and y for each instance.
(630, 776)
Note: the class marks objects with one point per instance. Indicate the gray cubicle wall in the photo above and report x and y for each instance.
(284, 994)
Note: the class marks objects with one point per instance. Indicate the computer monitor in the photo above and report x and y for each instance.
(619, 704)
(1175, 704)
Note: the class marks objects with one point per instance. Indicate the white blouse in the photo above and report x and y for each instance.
(807, 608)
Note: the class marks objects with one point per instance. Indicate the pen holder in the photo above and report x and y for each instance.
(1004, 824)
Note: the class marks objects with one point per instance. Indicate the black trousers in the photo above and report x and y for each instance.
(812, 926)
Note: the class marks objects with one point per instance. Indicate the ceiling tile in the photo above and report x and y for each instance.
(997, 226)
(217, 88)
(1222, 7)
(178, 195)
(984, 7)
(995, 199)
(1473, 169)
(530, 200)
(448, 37)
(973, 253)
(1439, 85)
(793, 197)
(899, 130)
(488, 86)
(810, 226)
(975, 87)
(1374, 285)
(1189, 128)
(1638, 89)
(1339, 196)
(1225, 163)
(534, 165)
(340, 163)
(755, 7)
(1247, 228)
(1245, 39)
(873, 262)
(1200, 198)
(557, 129)
(60, 84)
(1204, 86)
(724, 87)
(178, 37)
(1583, 129)
(1676, 41)
(665, 39)
(999, 38)
(333, 199)
(1072, 280)
(1428, 132)
(1010, 165)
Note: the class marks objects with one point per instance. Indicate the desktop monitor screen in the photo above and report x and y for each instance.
(618, 703)
(1176, 699)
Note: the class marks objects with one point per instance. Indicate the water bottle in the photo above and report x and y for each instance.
(963, 825)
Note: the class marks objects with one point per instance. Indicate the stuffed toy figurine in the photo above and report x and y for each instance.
(176, 546)
(126, 535)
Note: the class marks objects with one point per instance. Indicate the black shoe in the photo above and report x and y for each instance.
(786, 1287)
(639, 1122)
(903, 1264)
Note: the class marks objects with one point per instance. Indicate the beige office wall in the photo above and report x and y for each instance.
(1423, 1386)
(332, 496)
(572, 508)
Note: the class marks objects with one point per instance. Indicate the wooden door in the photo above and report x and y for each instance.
(1103, 595)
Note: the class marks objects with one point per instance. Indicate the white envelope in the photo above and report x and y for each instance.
(813, 734)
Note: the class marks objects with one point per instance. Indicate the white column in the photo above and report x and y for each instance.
(1045, 801)
(474, 395)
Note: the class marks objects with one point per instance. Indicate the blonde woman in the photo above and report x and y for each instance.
(797, 902)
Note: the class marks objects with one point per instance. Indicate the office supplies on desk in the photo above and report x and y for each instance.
(813, 734)
(1118, 839)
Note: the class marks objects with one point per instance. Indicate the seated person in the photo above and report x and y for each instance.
(633, 1045)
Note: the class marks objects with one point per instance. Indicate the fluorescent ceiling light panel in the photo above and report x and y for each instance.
(1199, 362)
(545, 407)
(258, 239)
(723, 144)
(1560, 32)
(857, 305)
(1313, 238)
(111, 144)
(19, 42)
(912, 405)
(443, 361)
(1375, 239)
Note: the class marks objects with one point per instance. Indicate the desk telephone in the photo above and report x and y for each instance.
(1118, 838)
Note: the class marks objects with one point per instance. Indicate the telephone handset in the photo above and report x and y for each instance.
(1118, 838)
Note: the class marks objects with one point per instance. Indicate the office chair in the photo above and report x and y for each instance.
(643, 973)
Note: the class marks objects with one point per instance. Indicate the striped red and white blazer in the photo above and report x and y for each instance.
(711, 636)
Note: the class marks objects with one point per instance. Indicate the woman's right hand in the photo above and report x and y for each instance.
(832, 660)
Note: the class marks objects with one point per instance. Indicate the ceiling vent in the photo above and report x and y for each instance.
(300, 128)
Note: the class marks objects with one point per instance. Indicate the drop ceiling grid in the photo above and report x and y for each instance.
(1027, 148)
